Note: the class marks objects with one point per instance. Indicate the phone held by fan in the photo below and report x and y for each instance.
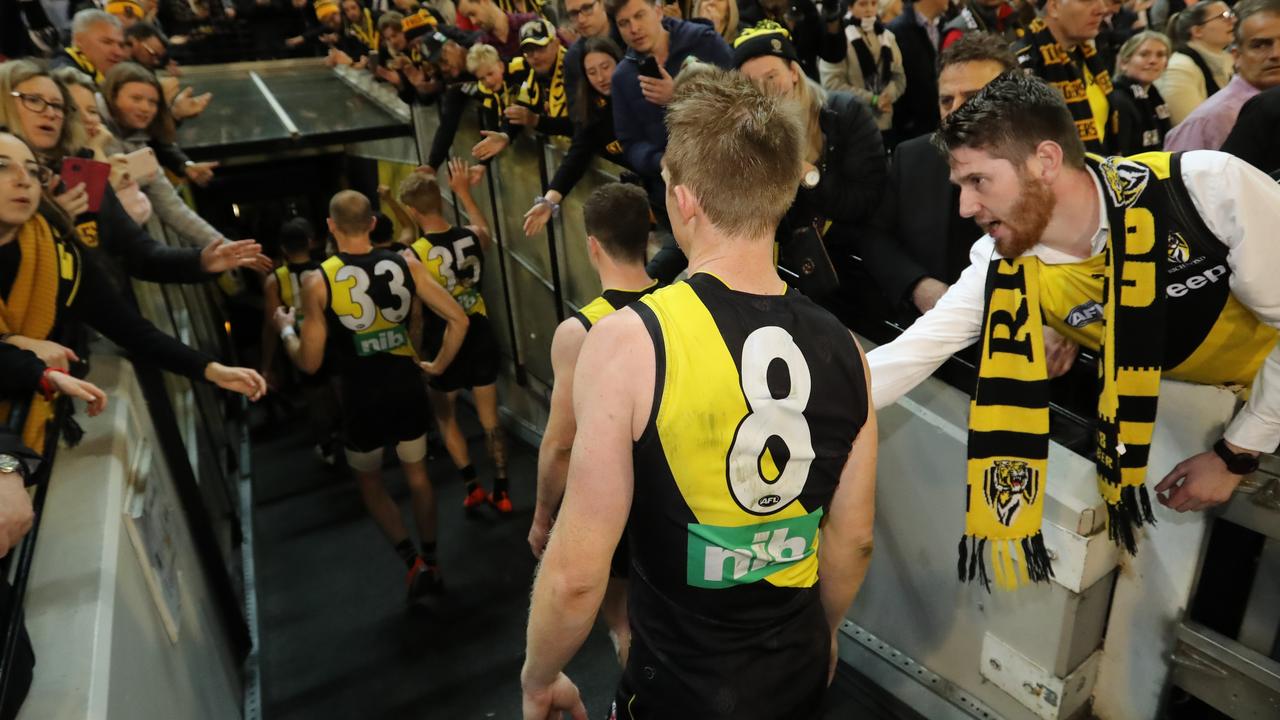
(649, 68)
(93, 174)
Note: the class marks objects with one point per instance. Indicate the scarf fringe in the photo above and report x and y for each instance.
(1131, 512)
(1026, 560)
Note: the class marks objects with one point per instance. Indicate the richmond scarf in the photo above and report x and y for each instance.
(366, 31)
(84, 63)
(31, 309)
(1009, 413)
(555, 104)
(1076, 74)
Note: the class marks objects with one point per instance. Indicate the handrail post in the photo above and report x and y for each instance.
(557, 290)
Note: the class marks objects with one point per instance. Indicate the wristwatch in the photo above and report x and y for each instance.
(1237, 463)
(10, 464)
(810, 179)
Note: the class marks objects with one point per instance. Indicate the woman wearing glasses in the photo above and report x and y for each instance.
(48, 279)
(41, 111)
(1201, 64)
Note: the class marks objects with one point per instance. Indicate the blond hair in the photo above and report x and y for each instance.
(736, 149)
(421, 192)
(731, 19)
(15, 72)
(481, 56)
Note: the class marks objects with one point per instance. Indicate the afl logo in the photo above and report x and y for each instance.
(769, 501)
(1179, 250)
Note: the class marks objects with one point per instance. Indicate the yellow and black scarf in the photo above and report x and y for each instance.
(31, 310)
(555, 104)
(366, 31)
(83, 62)
(1042, 54)
(1009, 413)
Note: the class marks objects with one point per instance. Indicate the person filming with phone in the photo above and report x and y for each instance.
(643, 84)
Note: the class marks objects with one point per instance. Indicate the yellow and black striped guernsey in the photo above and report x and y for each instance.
(757, 402)
(610, 300)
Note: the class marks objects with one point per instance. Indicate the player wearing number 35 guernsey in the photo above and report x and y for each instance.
(364, 295)
(727, 426)
(454, 256)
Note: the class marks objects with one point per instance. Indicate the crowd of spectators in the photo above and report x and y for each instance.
(871, 80)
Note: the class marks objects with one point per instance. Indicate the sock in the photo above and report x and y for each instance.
(407, 553)
(468, 473)
(429, 553)
(499, 484)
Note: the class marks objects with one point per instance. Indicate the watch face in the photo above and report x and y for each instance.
(9, 464)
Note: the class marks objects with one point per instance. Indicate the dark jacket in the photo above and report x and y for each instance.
(595, 137)
(573, 66)
(641, 125)
(20, 372)
(1254, 138)
(916, 112)
(1142, 116)
(140, 255)
(853, 168)
(917, 231)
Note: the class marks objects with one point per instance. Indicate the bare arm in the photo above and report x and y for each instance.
(845, 551)
(307, 351)
(460, 184)
(440, 302)
(557, 438)
(612, 396)
(408, 228)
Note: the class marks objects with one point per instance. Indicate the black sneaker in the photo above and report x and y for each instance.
(423, 580)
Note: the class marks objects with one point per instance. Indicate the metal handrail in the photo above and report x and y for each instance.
(13, 622)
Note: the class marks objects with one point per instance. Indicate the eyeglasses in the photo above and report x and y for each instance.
(37, 104)
(31, 170)
(1227, 15)
(586, 9)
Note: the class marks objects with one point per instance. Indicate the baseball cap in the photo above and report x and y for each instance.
(538, 32)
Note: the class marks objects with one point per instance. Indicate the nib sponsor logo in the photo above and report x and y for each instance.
(720, 557)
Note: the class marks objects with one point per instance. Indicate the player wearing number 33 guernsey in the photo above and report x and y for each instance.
(364, 294)
(727, 427)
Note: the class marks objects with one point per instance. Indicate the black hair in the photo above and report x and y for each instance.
(978, 47)
(296, 236)
(382, 232)
(617, 215)
(586, 109)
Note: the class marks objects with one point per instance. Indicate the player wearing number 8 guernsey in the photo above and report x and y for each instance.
(730, 433)
(364, 295)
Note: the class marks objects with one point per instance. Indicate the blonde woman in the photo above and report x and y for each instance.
(723, 15)
(83, 92)
(872, 67)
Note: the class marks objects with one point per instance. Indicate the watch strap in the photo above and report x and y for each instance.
(1237, 463)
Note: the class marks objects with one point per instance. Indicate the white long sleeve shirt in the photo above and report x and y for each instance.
(1240, 204)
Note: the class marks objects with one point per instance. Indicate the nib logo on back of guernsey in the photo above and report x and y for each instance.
(721, 557)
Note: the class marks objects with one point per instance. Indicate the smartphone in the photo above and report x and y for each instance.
(93, 174)
(141, 164)
(649, 67)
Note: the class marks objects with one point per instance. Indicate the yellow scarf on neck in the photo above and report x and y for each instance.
(1009, 414)
(85, 63)
(367, 32)
(556, 104)
(31, 309)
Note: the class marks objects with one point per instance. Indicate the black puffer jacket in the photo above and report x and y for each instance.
(853, 171)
